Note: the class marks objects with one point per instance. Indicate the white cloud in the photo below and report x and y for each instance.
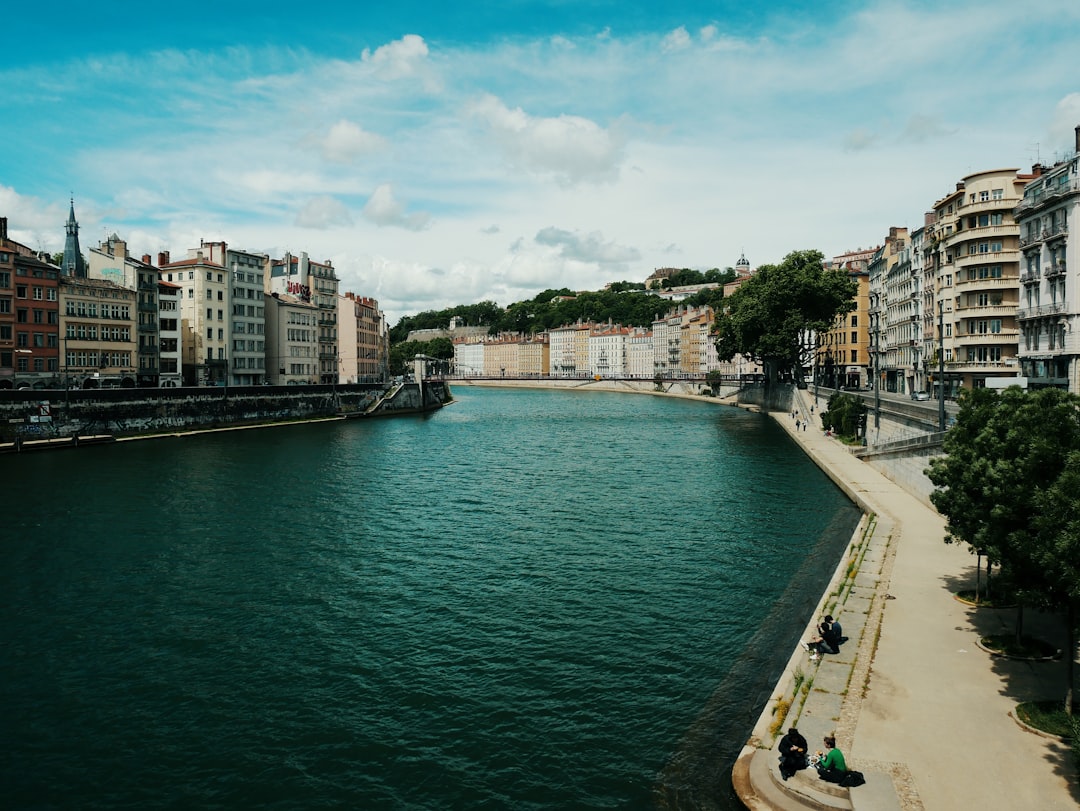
(323, 212)
(384, 210)
(590, 247)
(401, 59)
(677, 40)
(346, 141)
(570, 148)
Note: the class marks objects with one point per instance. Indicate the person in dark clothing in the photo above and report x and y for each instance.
(792, 753)
(820, 644)
(832, 635)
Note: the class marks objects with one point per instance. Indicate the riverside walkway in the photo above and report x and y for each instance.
(915, 703)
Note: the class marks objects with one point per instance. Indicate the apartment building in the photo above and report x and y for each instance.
(977, 244)
(98, 325)
(843, 351)
(292, 340)
(903, 338)
(204, 308)
(1049, 307)
(29, 316)
(568, 350)
(169, 335)
(317, 283)
(469, 357)
(363, 340)
(244, 310)
(607, 350)
(111, 262)
(639, 353)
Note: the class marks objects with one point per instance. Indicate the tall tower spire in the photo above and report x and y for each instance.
(74, 265)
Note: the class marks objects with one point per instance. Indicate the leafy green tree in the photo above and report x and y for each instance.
(1000, 487)
(1058, 525)
(769, 317)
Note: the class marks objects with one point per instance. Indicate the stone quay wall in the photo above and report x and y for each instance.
(31, 415)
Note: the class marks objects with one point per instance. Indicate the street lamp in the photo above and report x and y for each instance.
(941, 366)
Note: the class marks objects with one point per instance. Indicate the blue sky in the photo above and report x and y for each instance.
(442, 153)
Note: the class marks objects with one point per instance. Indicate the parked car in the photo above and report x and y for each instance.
(920, 395)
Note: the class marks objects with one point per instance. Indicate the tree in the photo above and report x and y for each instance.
(842, 415)
(1006, 486)
(1058, 526)
(768, 318)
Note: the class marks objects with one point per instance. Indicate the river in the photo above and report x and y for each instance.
(529, 599)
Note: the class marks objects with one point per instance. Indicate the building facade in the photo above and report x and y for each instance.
(363, 340)
(1049, 307)
(977, 244)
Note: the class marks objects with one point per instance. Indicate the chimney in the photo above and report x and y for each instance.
(1078, 137)
(162, 258)
(3, 220)
(146, 259)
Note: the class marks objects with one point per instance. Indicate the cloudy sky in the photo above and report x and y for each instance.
(446, 153)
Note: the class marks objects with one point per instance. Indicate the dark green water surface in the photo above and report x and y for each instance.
(530, 599)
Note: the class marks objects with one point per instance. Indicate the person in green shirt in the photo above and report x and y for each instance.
(832, 767)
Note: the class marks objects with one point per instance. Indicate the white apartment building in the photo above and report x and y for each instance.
(639, 353)
(469, 357)
(204, 287)
(246, 351)
(607, 351)
(1049, 307)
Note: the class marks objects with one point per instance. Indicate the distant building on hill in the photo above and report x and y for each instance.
(456, 329)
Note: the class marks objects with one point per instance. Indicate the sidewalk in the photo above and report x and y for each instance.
(915, 704)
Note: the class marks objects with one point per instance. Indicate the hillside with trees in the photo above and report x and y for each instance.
(624, 303)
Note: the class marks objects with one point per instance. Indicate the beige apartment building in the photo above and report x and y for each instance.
(97, 327)
(363, 340)
(843, 352)
(975, 243)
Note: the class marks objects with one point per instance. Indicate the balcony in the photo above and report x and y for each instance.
(1006, 337)
(1055, 271)
(986, 310)
(1041, 311)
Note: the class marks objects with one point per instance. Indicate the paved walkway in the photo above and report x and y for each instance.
(915, 703)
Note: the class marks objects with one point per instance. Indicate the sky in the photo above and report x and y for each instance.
(449, 153)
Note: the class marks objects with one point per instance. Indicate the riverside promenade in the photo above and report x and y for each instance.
(915, 703)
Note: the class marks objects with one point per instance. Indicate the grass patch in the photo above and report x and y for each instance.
(780, 712)
(1027, 648)
(1048, 717)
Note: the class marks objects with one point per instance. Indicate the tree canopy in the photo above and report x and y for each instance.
(624, 303)
(770, 316)
(1007, 486)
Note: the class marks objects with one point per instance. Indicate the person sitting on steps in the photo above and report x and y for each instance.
(832, 767)
(834, 636)
(793, 749)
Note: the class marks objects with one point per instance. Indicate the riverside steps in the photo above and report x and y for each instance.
(915, 704)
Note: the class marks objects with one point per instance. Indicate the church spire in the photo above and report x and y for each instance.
(74, 264)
